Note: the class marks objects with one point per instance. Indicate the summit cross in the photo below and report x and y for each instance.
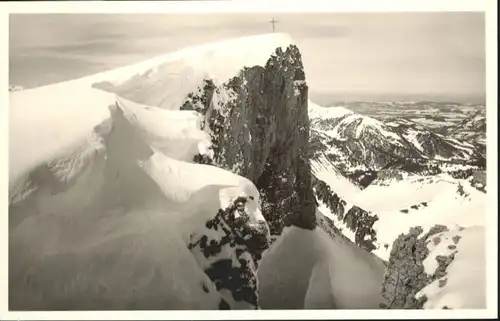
(273, 22)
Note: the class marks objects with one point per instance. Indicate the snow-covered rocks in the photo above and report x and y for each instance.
(435, 145)
(443, 269)
(405, 273)
(354, 222)
(462, 283)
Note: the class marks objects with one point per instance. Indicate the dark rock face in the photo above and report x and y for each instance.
(356, 219)
(405, 275)
(363, 177)
(259, 126)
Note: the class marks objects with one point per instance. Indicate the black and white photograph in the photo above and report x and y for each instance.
(189, 161)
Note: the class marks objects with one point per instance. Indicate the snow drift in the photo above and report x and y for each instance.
(312, 270)
(466, 271)
(107, 212)
(100, 229)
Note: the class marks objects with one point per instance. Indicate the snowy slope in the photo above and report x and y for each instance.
(117, 208)
(319, 112)
(397, 199)
(323, 167)
(421, 201)
(174, 133)
(109, 179)
(312, 270)
(404, 195)
(42, 122)
(466, 271)
(326, 171)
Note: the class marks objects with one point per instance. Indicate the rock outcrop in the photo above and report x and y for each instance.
(478, 181)
(233, 249)
(356, 219)
(405, 275)
(259, 125)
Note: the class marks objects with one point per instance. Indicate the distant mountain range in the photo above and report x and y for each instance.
(360, 146)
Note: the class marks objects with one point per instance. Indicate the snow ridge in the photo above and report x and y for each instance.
(133, 158)
(166, 81)
(128, 173)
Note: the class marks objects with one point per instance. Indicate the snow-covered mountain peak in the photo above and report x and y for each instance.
(221, 59)
(165, 81)
(318, 112)
(354, 142)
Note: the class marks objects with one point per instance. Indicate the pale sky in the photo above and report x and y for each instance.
(352, 56)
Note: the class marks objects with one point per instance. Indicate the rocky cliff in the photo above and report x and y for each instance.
(405, 274)
(259, 125)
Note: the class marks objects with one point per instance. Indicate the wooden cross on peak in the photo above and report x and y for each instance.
(273, 22)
